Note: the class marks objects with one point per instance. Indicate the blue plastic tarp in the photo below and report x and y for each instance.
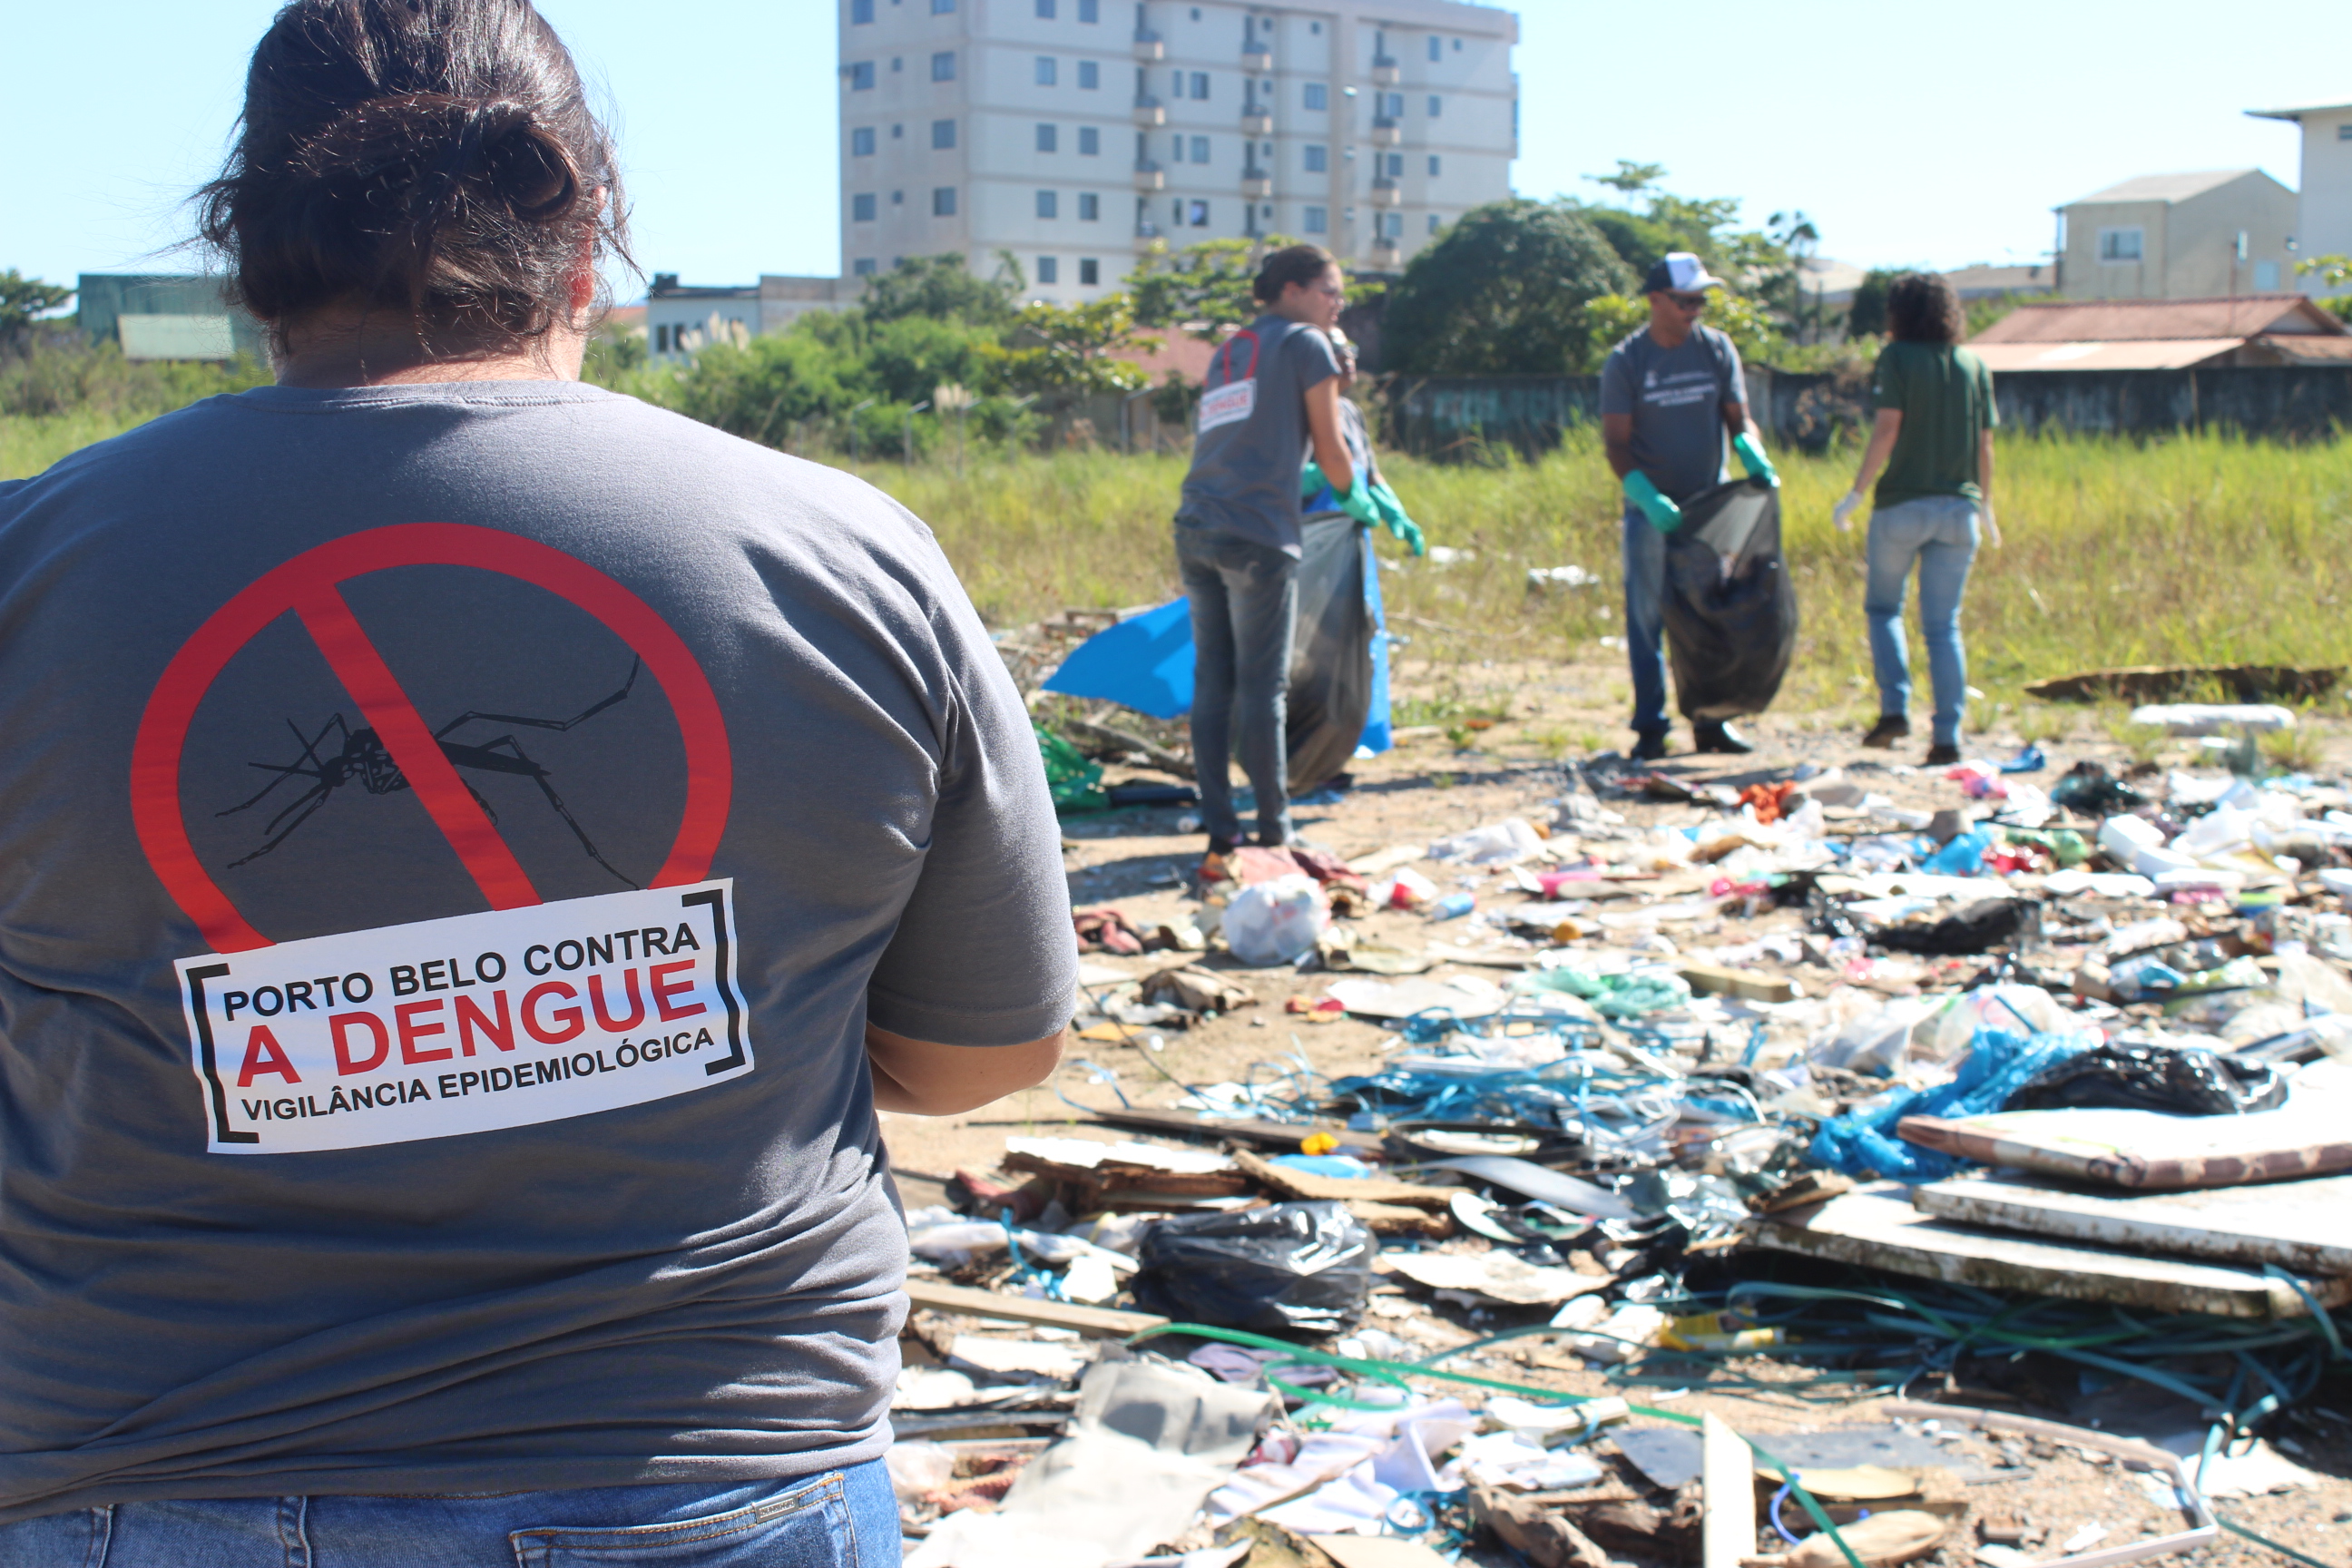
(1864, 1140)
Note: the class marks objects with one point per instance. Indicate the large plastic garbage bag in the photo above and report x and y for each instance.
(1332, 664)
(1730, 609)
(1998, 1064)
(2186, 1080)
(1288, 1266)
(1276, 922)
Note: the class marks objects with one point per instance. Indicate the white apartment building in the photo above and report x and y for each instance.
(2323, 225)
(1074, 134)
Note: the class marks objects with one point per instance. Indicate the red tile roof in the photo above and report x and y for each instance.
(2118, 320)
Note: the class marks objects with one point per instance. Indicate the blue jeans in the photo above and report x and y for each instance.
(1244, 599)
(1940, 532)
(1645, 622)
(842, 1519)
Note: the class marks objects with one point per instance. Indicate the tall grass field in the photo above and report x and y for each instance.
(2195, 549)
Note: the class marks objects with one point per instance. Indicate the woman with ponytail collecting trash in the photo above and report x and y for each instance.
(482, 850)
(1270, 398)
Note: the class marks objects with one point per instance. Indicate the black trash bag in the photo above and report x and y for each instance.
(2186, 1080)
(1290, 1266)
(2088, 788)
(1330, 653)
(1730, 609)
(1981, 927)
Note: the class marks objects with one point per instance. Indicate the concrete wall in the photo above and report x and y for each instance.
(2189, 248)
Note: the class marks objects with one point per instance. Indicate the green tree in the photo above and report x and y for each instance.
(1865, 317)
(23, 300)
(941, 287)
(2333, 272)
(1202, 287)
(1502, 290)
(1761, 262)
(1065, 350)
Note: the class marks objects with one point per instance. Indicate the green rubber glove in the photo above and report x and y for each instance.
(1311, 481)
(1358, 502)
(1752, 459)
(1393, 513)
(1664, 514)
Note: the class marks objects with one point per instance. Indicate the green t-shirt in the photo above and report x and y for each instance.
(1945, 395)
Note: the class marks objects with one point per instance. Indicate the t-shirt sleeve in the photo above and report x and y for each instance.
(1887, 381)
(1617, 383)
(1983, 374)
(1735, 377)
(983, 954)
(1312, 358)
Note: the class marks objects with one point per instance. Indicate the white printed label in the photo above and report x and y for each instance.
(1225, 405)
(469, 1024)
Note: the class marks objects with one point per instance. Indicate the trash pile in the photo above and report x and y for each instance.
(1807, 1099)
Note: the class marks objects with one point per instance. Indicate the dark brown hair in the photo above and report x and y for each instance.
(1299, 264)
(1923, 308)
(434, 158)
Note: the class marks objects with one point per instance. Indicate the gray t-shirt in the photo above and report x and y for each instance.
(457, 836)
(1675, 397)
(1251, 435)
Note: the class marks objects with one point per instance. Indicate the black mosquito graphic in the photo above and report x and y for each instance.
(364, 761)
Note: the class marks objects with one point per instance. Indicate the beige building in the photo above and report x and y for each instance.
(2214, 233)
(2324, 208)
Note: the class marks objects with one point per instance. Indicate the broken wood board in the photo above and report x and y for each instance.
(2304, 1227)
(2164, 683)
(1127, 1166)
(1308, 1187)
(1099, 1323)
(1720, 979)
(1377, 1552)
(2147, 1150)
(1283, 1135)
(1729, 1531)
(1397, 1219)
(1877, 1225)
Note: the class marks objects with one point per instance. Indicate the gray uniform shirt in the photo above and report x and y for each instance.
(1252, 437)
(455, 837)
(1676, 398)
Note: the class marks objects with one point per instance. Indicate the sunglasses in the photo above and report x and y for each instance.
(1689, 301)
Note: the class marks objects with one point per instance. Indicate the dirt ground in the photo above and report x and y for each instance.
(1141, 863)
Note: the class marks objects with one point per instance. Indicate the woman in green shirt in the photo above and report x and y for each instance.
(1933, 437)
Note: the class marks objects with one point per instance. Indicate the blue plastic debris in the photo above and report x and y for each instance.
(1998, 1064)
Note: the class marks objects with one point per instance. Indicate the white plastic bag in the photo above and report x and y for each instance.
(1276, 922)
(1496, 843)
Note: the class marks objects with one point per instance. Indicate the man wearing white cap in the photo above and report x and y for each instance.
(1669, 395)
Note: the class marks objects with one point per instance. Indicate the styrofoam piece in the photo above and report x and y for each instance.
(2211, 718)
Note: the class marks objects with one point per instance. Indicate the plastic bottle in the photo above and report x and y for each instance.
(1452, 907)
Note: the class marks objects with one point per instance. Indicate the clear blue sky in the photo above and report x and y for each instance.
(1911, 134)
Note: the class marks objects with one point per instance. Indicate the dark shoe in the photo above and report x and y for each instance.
(1942, 756)
(1709, 736)
(1650, 749)
(1890, 728)
(1222, 846)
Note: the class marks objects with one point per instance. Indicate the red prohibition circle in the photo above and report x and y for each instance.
(310, 586)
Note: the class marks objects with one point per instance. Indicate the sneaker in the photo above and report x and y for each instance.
(1219, 845)
(1942, 754)
(1651, 748)
(1710, 736)
(1890, 728)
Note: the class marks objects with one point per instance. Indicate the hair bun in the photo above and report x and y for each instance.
(519, 159)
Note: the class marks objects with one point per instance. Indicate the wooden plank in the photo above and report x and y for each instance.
(1719, 980)
(1100, 1322)
(1377, 1552)
(1877, 1225)
(1727, 1472)
(1308, 1187)
(1283, 1135)
(2305, 1226)
(2146, 1149)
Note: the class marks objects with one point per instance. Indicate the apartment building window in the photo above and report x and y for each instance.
(1089, 207)
(942, 8)
(1089, 142)
(1090, 272)
(1049, 270)
(861, 142)
(898, 198)
(943, 200)
(860, 12)
(1200, 84)
(1317, 220)
(943, 65)
(861, 76)
(1391, 106)
(2121, 244)
(1436, 165)
(1176, 145)
(2266, 277)
(1089, 11)
(897, 64)
(898, 133)
(1045, 10)
(1048, 71)
(1049, 204)
(1316, 158)
(862, 267)
(1089, 74)
(1436, 48)
(1049, 139)
(1392, 165)
(1316, 95)
(1197, 213)
(1200, 149)
(1392, 225)
(942, 135)
(2344, 131)
(1436, 107)
(1432, 223)
(861, 208)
